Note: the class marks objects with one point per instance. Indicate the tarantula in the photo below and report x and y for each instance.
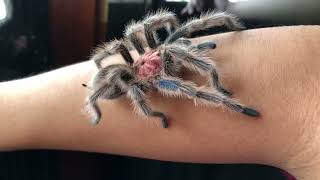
(159, 64)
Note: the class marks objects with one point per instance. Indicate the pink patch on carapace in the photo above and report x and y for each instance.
(149, 65)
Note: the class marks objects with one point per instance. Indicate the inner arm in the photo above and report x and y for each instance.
(274, 70)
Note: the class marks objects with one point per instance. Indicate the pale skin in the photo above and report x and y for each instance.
(275, 70)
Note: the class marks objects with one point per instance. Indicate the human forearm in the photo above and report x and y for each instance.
(272, 70)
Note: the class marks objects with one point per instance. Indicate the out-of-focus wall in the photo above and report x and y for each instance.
(279, 11)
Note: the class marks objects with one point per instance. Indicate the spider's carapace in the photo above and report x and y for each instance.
(149, 65)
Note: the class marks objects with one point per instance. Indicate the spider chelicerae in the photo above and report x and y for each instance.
(159, 64)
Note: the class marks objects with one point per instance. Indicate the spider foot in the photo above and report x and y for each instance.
(95, 121)
(250, 112)
(164, 119)
(207, 45)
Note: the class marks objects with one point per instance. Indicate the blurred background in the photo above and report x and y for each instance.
(40, 35)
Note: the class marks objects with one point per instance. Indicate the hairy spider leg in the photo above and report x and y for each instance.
(134, 33)
(92, 106)
(206, 21)
(171, 68)
(184, 41)
(202, 65)
(111, 48)
(156, 21)
(141, 31)
(206, 45)
(110, 82)
(199, 47)
(137, 96)
(176, 87)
